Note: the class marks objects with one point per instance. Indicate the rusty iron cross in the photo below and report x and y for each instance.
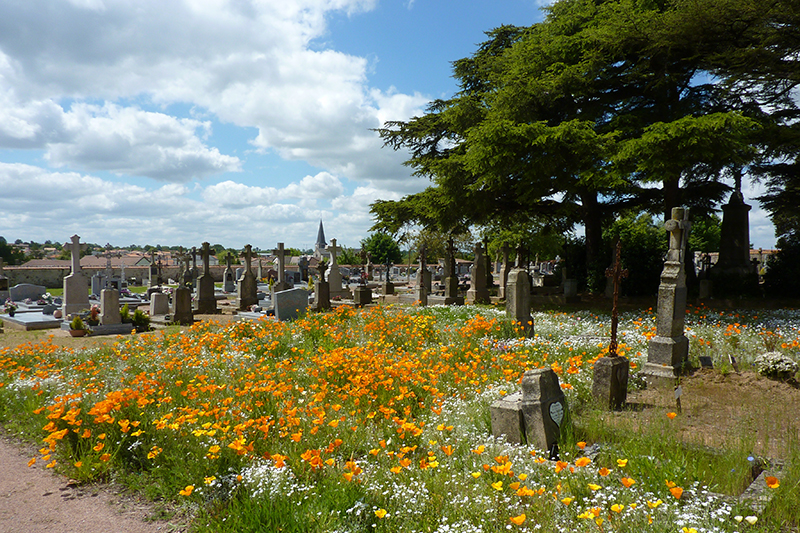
(616, 274)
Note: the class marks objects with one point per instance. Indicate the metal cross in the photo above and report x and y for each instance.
(616, 273)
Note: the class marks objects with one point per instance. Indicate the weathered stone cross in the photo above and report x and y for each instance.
(616, 274)
(281, 253)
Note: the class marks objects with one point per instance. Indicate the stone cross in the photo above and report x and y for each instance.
(109, 268)
(451, 258)
(668, 351)
(281, 253)
(205, 253)
(333, 249)
(617, 273)
(248, 257)
(75, 248)
(422, 266)
(228, 260)
(519, 257)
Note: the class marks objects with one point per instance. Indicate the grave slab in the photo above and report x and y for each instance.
(290, 304)
(33, 320)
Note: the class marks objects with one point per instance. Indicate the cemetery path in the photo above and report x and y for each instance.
(726, 410)
(35, 500)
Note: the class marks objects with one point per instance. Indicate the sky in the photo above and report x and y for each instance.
(229, 121)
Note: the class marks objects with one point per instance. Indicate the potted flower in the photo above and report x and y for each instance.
(141, 322)
(76, 327)
(10, 307)
(94, 316)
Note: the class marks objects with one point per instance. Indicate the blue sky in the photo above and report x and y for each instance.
(228, 121)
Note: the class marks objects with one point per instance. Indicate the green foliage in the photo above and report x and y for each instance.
(382, 248)
(705, 234)
(77, 323)
(222, 256)
(10, 255)
(125, 314)
(348, 256)
(644, 245)
(140, 320)
(781, 279)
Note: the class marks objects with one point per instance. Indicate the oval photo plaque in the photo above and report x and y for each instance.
(557, 412)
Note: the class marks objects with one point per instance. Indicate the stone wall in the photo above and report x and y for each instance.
(53, 278)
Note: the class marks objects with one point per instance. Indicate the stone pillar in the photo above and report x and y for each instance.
(282, 284)
(610, 385)
(478, 293)
(322, 295)
(362, 295)
(668, 351)
(734, 273)
(247, 291)
(451, 296)
(334, 275)
(420, 291)
(206, 300)
(504, 271)
(76, 289)
(182, 306)
(109, 307)
(228, 284)
(518, 299)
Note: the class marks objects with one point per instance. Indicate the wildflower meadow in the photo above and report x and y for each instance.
(378, 420)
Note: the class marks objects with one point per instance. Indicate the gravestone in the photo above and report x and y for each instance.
(289, 304)
(505, 270)
(76, 288)
(195, 272)
(109, 307)
(247, 290)
(533, 416)
(571, 291)
(387, 286)
(239, 273)
(668, 351)
(610, 383)
(206, 300)
(362, 295)
(478, 293)
(228, 284)
(420, 292)
(282, 284)
(334, 275)
(302, 264)
(322, 295)
(159, 304)
(734, 273)
(182, 306)
(24, 291)
(451, 296)
(518, 299)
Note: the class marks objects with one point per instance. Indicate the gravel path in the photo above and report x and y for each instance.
(35, 500)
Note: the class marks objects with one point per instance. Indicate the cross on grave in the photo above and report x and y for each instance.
(617, 273)
(333, 249)
(281, 253)
(248, 257)
(109, 269)
(75, 248)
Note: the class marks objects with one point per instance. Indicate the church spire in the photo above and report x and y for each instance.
(321, 237)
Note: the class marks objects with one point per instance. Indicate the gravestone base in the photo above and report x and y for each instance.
(109, 307)
(322, 295)
(362, 296)
(159, 304)
(387, 287)
(610, 385)
(666, 360)
(478, 296)
(421, 296)
(507, 419)
(182, 306)
(534, 416)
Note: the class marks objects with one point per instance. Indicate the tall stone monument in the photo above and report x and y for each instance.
(3, 283)
(76, 288)
(228, 285)
(518, 299)
(334, 275)
(206, 300)
(282, 284)
(247, 291)
(451, 296)
(420, 291)
(504, 270)
(734, 273)
(478, 293)
(668, 351)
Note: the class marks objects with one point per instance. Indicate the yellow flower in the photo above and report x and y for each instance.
(627, 482)
(187, 491)
(105, 457)
(581, 445)
(677, 492)
(622, 463)
(617, 508)
(685, 529)
(522, 477)
(518, 520)
(671, 416)
(32, 462)
(498, 485)
(594, 487)
(583, 461)
(772, 482)
(653, 505)
(209, 480)
(604, 471)
(380, 513)
(567, 501)
(476, 475)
